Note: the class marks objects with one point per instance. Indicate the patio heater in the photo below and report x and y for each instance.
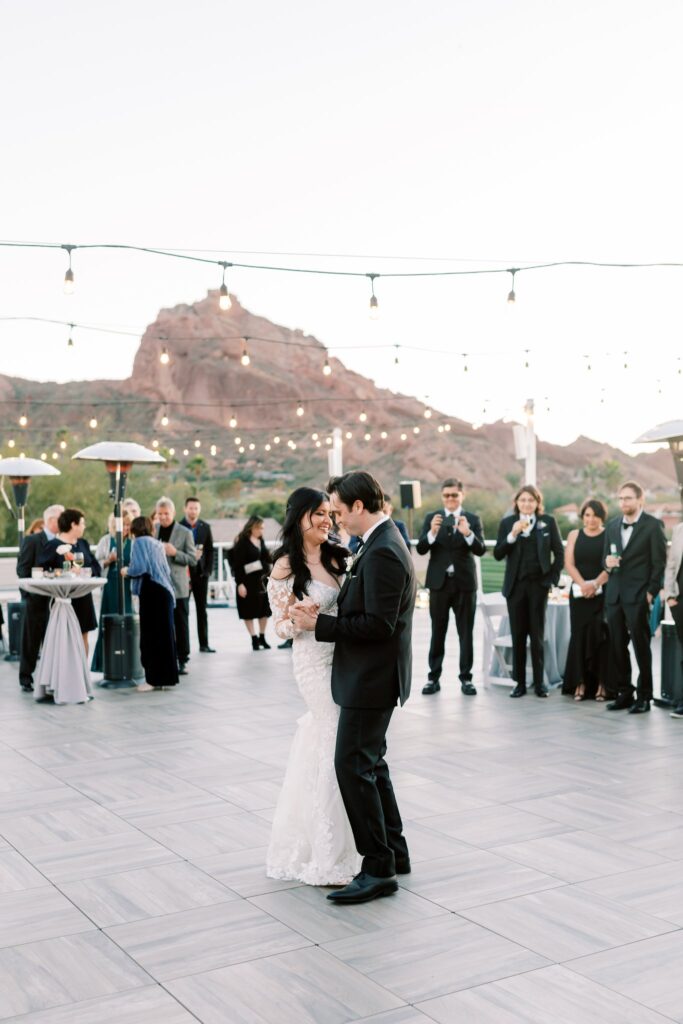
(121, 646)
(673, 433)
(20, 471)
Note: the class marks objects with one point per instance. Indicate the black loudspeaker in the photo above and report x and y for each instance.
(15, 613)
(121, 639)
(672, 672)
(411, 494)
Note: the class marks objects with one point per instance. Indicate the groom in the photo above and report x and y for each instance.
(370, 673)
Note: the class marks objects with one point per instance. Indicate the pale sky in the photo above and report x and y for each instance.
(404, 136)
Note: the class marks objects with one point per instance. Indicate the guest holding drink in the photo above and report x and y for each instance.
(70, 546)
(152, 583)
(586, 673)
(530, 542)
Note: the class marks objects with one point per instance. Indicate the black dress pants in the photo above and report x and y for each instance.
(630, 622)
(526, 609)
(34, 625)
(200, 590)
(464, 604)
(181, 620)
(366, 789)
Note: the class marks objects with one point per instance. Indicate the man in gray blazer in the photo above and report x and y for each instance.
(182, 555)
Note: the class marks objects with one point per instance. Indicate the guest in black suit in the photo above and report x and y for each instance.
(36, 608)
(62, 548)
(371, 671)
(200, 573)
(452, 537)
(531, 543)
(634, 556)
(388, 509)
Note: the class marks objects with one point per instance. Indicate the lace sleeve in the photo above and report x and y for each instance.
(280, 597)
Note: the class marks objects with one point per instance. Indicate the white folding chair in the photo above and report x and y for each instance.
(495, 667)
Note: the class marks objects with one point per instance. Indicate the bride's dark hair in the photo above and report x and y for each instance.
(332, 556)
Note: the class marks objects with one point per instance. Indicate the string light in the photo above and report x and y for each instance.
(368, 437)
(55, 455)
(252, 446)
(404, 437)
(327, 369)
(164, 358)
(396, 356)
(428, 414)
(363, 416)
(384, 435)
(155, 443)
(440, 428)
(70, 341)
(197, 443)
(526, 358)
(241, 449)
(416, 430)
(464, 356)
(23, 420)
(224, 301)
(62, 445)
(43, 456)
(93, 422)
(185, 451)
(374, 306)
(11, 443)
(447, 426)
(348, 435)
(238, 440)
(314, 437)
(171, 451)
(69, 275)
(626, 360)
(267, 447)
(164, 418)
(232, 422)
(328, 440)
(318, 444)
(244, 359)
(276, 439)
(300, 409)
(511, 294)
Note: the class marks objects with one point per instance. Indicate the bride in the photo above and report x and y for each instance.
(311, 840)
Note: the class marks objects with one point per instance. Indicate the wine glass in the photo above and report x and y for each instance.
(79, 560)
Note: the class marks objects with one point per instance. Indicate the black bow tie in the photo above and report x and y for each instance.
(625, 525)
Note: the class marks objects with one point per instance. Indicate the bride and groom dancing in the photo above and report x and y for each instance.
(350, 619)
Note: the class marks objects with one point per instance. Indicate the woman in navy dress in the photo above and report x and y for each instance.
(151, 582)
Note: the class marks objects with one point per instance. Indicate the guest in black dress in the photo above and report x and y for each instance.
(250, 564)
(67, 546)
(151, 582)
(586, 671)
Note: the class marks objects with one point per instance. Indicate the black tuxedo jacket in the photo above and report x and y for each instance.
(548, 545)
(30, 551)
(372, 631)
(204, 566)
(641, 571)
(451, 548)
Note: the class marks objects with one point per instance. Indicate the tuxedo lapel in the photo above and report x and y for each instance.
(373, 536)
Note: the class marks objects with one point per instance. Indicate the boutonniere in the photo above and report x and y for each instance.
(348, 563)
(63, 549)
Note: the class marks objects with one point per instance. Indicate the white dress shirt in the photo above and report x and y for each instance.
(382, 519)
(525, 533)
(627, 534)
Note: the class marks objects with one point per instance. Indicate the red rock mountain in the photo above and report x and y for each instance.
(204, 385)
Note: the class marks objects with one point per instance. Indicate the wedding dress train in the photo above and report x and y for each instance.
(311, 839)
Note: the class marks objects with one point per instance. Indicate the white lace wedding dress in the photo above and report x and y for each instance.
(311, 840)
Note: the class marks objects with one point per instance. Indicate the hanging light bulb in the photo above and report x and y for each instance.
(238, 440)
(293, 445)
(93, 422)
(55, 455)
(318, 444)
(300, 409)
(383, 435)
(43, 456)
(404, 437)
(232, 422)
(428, 414)
(69, 275)
(396, 356)
(164, 419)
(185, 451)
(164, 358)
(314, 437)
(224, 301)
(62, 445)
(367, 437)
(70, 341)
(241, 449)
(155, 443)
(416, 430)
(328, 440)
(374, 306)
(440, 428)
(267, 447)
(252, 446)
(526, 358)
(626, 360)
(465, 368)
(447, 426)
(276, 439)
(348, 435)
(511, 294)
(327, 369)
(22, 455)
(363, 416)
(23, 420)
(171, 451)
(244, 359)
(197, 443)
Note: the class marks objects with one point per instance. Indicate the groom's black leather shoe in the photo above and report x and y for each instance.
(403, 865)
(433, 686)
(519, 690)
(363, 888)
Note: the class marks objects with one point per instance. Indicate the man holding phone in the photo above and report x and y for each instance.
(452, 538)
(201, 572)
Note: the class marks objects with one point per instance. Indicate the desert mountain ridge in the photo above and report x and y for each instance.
(205, 385)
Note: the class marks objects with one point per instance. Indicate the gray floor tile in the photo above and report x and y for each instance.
(223, 834)
(585, 810)
(87, 858)
(553, 994)
(405, 1015)
(645, 971)
(307, 910)
(472, 878)
(16, 873)
(657, 891)
(492, 826)
(304, 987)
(576, 856)
(151, 1005)
(63, 825)
(438, 956)
(202, 940)
(35, 914)
(564, 923)
(662, 834)
(150, 892)
(39, 975)
(244, 872)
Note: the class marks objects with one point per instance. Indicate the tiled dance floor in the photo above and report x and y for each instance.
(546, 839)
